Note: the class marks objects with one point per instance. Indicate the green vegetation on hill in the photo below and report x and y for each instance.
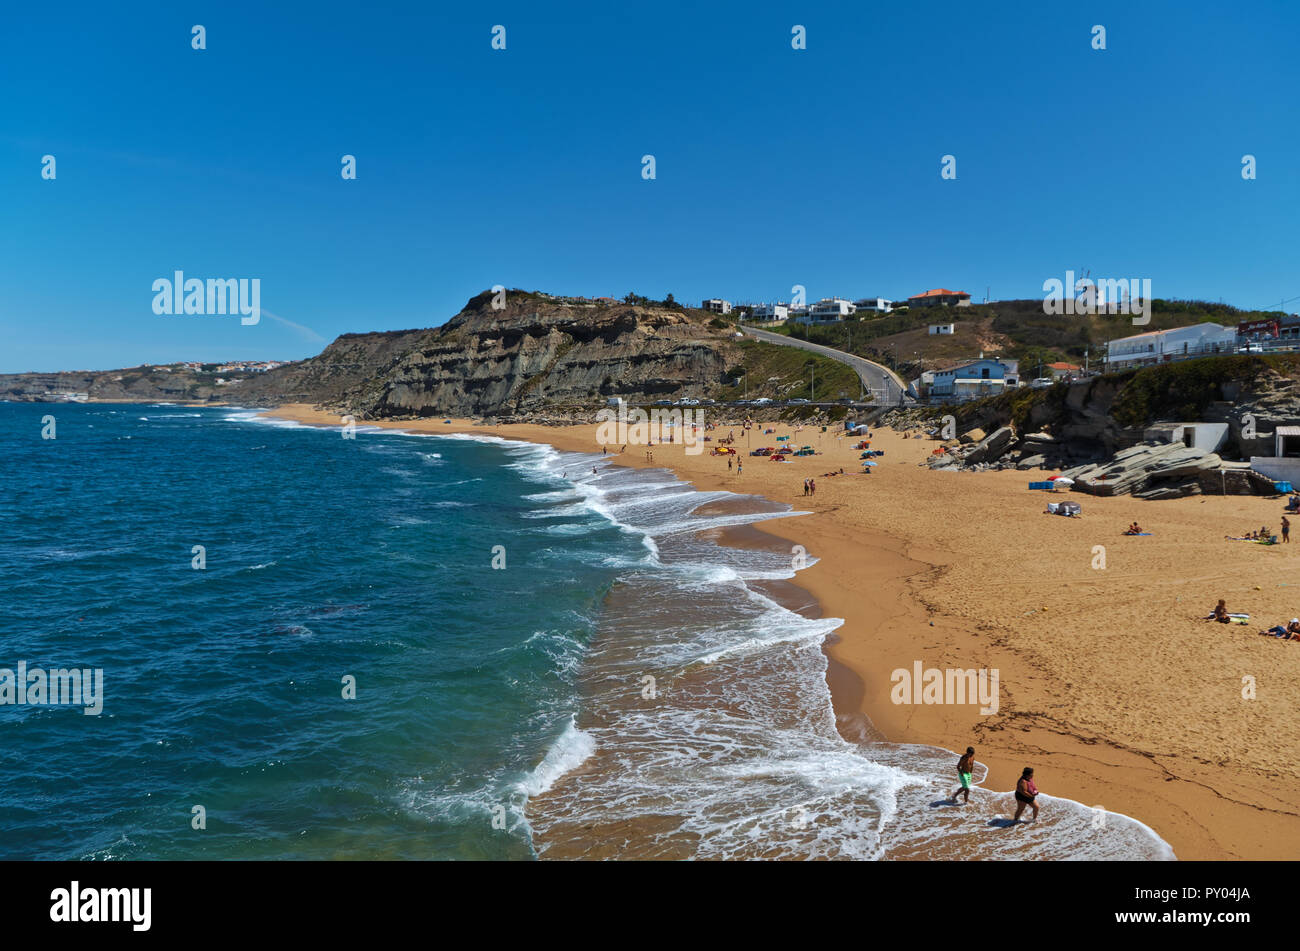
(1182, 391)
(777, 371)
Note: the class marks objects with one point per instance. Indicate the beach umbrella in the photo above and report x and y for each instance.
(1062, 480)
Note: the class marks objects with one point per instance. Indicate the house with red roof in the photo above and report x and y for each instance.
(940, 297)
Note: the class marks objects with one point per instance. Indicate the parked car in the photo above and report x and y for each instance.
(798, 401)
(761, 401)
(1041, 383)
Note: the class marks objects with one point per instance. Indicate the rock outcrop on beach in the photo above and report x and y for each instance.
(1105, 432)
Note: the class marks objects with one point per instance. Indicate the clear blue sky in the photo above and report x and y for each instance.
(476, 167)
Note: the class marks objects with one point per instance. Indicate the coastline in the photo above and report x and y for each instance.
(892, 576)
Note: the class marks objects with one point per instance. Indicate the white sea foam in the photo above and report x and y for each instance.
(569, 751)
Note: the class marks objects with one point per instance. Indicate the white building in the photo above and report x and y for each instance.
(942, 328)
(1165, 346)
(717, 305)
(770, 313)
(828, 309)
(878, 305)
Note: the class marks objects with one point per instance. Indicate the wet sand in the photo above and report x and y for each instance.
(1110, 685)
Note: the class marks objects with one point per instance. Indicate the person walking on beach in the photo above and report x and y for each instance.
(1286, 530)
(728, 463)
(1026, 793)
(805, 486)
(740, 467)
(965, 766)
(812, 486)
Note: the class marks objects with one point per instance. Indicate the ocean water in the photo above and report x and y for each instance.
(624, 687)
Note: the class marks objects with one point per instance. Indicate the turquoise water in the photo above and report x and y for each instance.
(325, 557)
(627, 686)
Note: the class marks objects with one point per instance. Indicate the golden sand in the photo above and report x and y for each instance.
(1111, 686)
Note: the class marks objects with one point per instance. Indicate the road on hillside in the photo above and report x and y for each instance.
(884, 385)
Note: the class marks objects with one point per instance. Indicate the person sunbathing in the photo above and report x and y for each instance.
(1134, 529)
(1220, 613)
(1290, 632)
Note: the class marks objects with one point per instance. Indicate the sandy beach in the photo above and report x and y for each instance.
(1111, 686)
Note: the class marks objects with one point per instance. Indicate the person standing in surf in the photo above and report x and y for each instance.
(965, 767)
(1026, 793)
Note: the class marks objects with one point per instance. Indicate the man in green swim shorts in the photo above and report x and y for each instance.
(965, 766)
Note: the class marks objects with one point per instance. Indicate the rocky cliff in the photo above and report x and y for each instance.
(536, 352)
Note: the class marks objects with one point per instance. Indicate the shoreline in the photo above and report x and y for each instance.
(889, 586)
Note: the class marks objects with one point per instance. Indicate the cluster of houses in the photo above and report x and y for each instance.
(242, 366)
(830, 309)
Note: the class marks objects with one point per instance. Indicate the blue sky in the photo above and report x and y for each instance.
(522, 167)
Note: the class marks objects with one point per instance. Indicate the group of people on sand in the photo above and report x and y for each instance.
(1265, 534)
(809, 486)
(1290, 631)
(1026, 791)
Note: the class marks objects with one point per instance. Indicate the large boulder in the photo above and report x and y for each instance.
(991, 446)
(1147, 467)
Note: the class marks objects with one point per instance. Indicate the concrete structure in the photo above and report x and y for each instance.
(1276, 468)
(1286, 442)
(770, 313)
(1284, 464)
(1207, 437)
(878, 305)
(940, 297)
(828, 309)
(1166, 346)
(942, 328)
(717, 305)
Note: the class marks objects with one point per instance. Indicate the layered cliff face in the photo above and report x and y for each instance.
(534, 352)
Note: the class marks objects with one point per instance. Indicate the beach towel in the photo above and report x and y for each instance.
(1134, 534)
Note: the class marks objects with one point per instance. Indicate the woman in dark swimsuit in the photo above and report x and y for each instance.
(1026, 793)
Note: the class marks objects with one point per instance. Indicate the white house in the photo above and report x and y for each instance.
(717, 305)
(942, 328)
(877, 305)
(983, 377)
(829, 308)
(770, 313)
(1165, 346)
